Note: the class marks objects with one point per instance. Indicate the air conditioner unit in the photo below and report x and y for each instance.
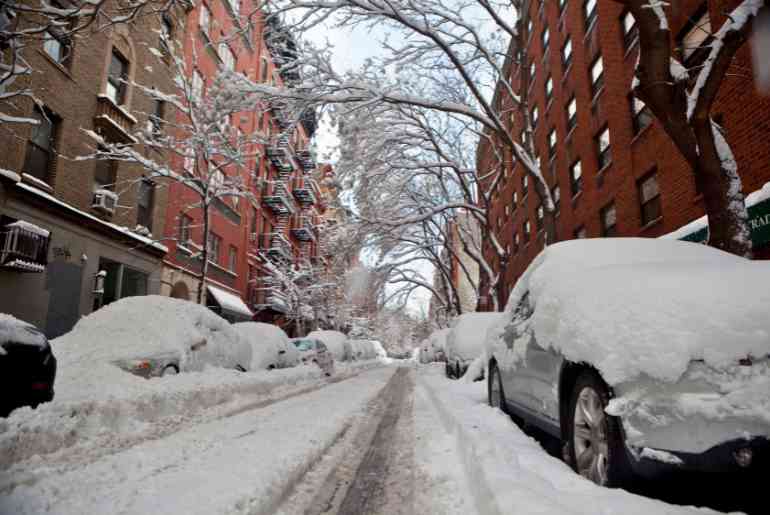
(105, 200)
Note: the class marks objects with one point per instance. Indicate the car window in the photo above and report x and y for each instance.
(516, 327)
(303, 345)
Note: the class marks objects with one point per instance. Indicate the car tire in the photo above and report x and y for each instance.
(595, 445)
(495, 386)
(448, 370)
(458, 370)
(169, 370)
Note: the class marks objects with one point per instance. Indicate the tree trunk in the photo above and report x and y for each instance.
(204, 254)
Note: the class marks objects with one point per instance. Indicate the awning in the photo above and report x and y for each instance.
(231, 305)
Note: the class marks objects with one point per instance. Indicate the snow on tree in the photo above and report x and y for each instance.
(682, 99)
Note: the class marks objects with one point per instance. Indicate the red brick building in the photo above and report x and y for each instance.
(281, 223)
(611, 168)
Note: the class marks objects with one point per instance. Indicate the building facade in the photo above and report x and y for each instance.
(611, 169)
(77, 234)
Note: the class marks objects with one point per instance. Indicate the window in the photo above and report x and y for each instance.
(608, 218)
(548, 89)
(155, 121)
(118, 74)
(524, 184)
(649, 198)
(236, 6)
(630, 30)
(215, 243)
(166, 33)
(532, 71)
(57, 46)
(527, 230)
(515, 199)
(232, 258)
(571, 113)
(556, 197)
(597, 75)
(515, 242)
(534, 117)
(603, 147)
(546, 37)
(589, 11)
(40, 147)
(120, 282)
(227, 56)
(562, 3)
(576, 177)
(695, 37)
(642, 116)
(185, 229)
(529, 26)
(580, 233)
(254, 220)
(566, 53)
(540, 216)
(145, 202)
(204, 21)
(105, 174)
(552, 143)
(197, 86)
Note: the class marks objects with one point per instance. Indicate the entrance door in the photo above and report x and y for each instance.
(64, 282)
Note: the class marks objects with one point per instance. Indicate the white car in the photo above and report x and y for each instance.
(336, 342)
(314, 351)
(153, 336)
(465, 340)
(643, 356)
(363, 349)
(270, 346)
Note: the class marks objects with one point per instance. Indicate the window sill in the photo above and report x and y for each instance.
(595, 98)
(56, 64)
(639, 134)
(651, 224)
(631, 47)
(604, 168)
(36, 183)
(576, 197)
(222, 269)
(590, 27)
(565, 74)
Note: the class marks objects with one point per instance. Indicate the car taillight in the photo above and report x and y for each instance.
(142, 365)
(746, 362)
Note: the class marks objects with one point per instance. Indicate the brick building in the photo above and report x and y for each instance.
(62, 220)
(612, 170)
(280, 223)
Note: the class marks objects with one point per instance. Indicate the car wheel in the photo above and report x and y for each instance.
(448, 370)
(170, 370)
(595, 445)
(458, 370)
(495, 392)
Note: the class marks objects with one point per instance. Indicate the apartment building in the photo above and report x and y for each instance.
(78, 234)
(611, 169)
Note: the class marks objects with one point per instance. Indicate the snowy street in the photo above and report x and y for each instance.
(390, 439)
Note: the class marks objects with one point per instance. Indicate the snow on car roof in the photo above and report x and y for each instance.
(14, 330)
(265, 340)
(632, 306)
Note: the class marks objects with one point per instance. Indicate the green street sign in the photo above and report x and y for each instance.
(759, 224)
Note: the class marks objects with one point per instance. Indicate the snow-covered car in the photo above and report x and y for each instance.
(432, 348)
(270, 346)
(336, 342)
(313, 350)
(27, 365)
(363, 349)
(643, 356)
(153, 336)
(465, 340)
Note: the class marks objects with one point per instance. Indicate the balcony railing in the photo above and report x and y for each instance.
(306, 159)
(114, 120)
(276, 246)
(305, 190)
(280, 153)
(275, 196)
(23, 249)
(302, 228)
(267, 294)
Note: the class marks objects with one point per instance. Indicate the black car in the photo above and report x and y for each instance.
(27, 365)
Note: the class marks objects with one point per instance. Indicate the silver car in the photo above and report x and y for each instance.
(695, 422)
(314, 351)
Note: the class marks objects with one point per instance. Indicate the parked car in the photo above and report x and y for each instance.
(314, 351)
(27, 365)
(336, 342)
(153, 336)
(642, 356)
(432, 348)
(465, 340)
(363, 349)
(270, 346)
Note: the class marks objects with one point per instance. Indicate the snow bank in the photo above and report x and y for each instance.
(138, 328)
(267, 340)
(335, 341)
(465, 340)
(14, 330)
(633, 306)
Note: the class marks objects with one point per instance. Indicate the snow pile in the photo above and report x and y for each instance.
(14, 330)
(465, 340)
(335, 341)
(632, 306)
(267, 341)
(137, 328)
(434, 347)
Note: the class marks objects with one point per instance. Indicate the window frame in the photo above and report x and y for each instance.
(609, 231)
(46, 119)
(144, 212)
(120, 84)
(603, 155)
(653, 200)
(576, 183)
(597, 80)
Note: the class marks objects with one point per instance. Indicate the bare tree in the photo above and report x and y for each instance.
(682, 100)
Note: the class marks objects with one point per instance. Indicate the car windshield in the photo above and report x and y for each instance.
(303, 345)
